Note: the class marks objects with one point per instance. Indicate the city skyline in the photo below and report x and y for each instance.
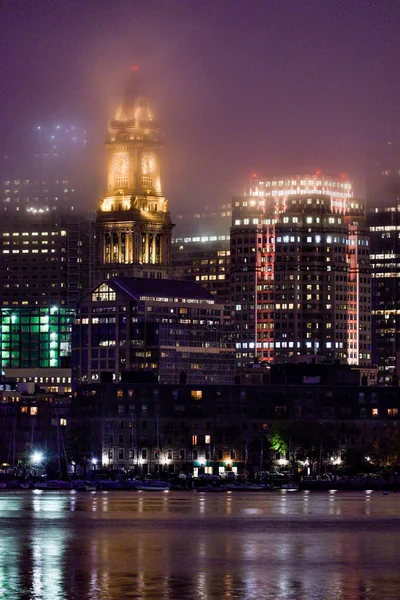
(269, 88)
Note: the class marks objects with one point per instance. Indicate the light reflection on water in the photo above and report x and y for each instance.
(116, 545)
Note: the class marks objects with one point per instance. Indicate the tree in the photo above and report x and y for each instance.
(303, 440)
(385, 447)
(316, 442)
(278, 436)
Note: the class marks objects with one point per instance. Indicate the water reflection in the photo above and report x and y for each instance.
(109, 546)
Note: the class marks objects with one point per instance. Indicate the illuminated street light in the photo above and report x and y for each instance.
(36, 458)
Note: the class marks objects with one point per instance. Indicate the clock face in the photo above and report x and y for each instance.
(148, 164)
(121, 164)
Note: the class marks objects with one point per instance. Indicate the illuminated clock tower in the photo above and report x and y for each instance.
(133, 224)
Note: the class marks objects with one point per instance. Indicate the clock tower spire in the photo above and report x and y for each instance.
(133, 224)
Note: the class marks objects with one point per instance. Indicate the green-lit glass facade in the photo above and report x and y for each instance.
(35, 336)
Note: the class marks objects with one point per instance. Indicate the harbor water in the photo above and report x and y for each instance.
(188, 545)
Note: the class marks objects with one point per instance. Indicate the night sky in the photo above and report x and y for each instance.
(239, 86)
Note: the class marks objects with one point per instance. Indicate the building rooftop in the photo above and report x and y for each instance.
(137, 287)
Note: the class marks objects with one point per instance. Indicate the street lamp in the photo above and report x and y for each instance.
(36, 460)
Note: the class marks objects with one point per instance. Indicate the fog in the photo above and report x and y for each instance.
(239, 87)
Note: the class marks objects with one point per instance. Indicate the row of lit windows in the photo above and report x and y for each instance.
(289, 182)
(34, 233)
(205, 238)
(209, 277)
(342, 196)
(32, 251)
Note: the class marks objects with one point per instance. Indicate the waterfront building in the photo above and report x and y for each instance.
(133, 224)
(52, 380)
(148, 428)
(300, 279)
(173, 328)
(31, 420)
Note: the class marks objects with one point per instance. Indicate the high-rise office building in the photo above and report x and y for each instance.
(300, 279)
(384, 226)
(383, 176)
(205, 260)
(45, 258)
(200, 248)
(45, 245)
(383, 198)
(322, 284)
(133, 224)
(45, 267)
(24, 197)
(207, 222)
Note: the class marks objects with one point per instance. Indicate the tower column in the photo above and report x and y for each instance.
(129, 245)
(119, 248)
(146, 248)
(103, 247)
(154, 249)
(159, 243)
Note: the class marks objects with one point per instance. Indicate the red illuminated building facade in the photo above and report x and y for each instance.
(300, 272)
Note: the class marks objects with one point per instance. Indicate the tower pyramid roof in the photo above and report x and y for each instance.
(135, 106)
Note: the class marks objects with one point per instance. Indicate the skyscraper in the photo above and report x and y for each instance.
(384, 226)
(133, 224)
(45, 260)
(300, 272)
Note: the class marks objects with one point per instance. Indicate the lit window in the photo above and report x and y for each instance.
(207, 439)
(104, 294)
(196, 394)
(147, 182)
(34, 410)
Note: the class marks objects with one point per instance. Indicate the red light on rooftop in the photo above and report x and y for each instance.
(343, 175)
(254, 175)
(318, 173)
(134, 68)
